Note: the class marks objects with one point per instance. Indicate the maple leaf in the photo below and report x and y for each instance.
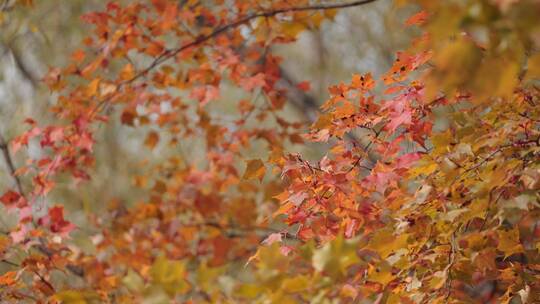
(304, 86)
(8, 278)
(255, 169)
(128, 117)
(205, 94)
(417, 19)
(10, 197)
(256, 81)
(127, 72)
(78, 56)
(509, 242)
(477, 170)
(56, 222)
(18, 235)
(151, 140)
(363, 82)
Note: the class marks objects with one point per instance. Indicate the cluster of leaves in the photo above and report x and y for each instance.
(439, 206)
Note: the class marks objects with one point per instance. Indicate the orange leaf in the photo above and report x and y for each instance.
(91, 67)
(8, 278)
(78, 56)
(304, 86)
(92, 88)
(363, 82)
(417, 19)
(127, 72)
(151, 140)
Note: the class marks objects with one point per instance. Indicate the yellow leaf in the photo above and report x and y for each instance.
(384, 242)
(170, 275)
(207, 275)
(441, 142)
(331, 13)
(381, 274)
(255, 169)
(426, 168)
(250, 291)
(317, 19)
(498, 78)
(295, 284)
(292, 28)
(509, 242)
(70, 297)
(76, 297)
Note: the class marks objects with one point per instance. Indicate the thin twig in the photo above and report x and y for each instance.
(10, 263)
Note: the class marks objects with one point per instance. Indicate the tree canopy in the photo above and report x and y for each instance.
(426, 190)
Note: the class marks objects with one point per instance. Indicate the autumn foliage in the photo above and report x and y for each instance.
(428, 191)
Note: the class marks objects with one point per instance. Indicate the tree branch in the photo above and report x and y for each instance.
(303, 101)
(9, 162)
(168, 54)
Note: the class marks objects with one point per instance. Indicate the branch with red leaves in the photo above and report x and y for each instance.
(171, 53)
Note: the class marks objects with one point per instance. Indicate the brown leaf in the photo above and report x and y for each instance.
(151, 140)
(255, 169)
